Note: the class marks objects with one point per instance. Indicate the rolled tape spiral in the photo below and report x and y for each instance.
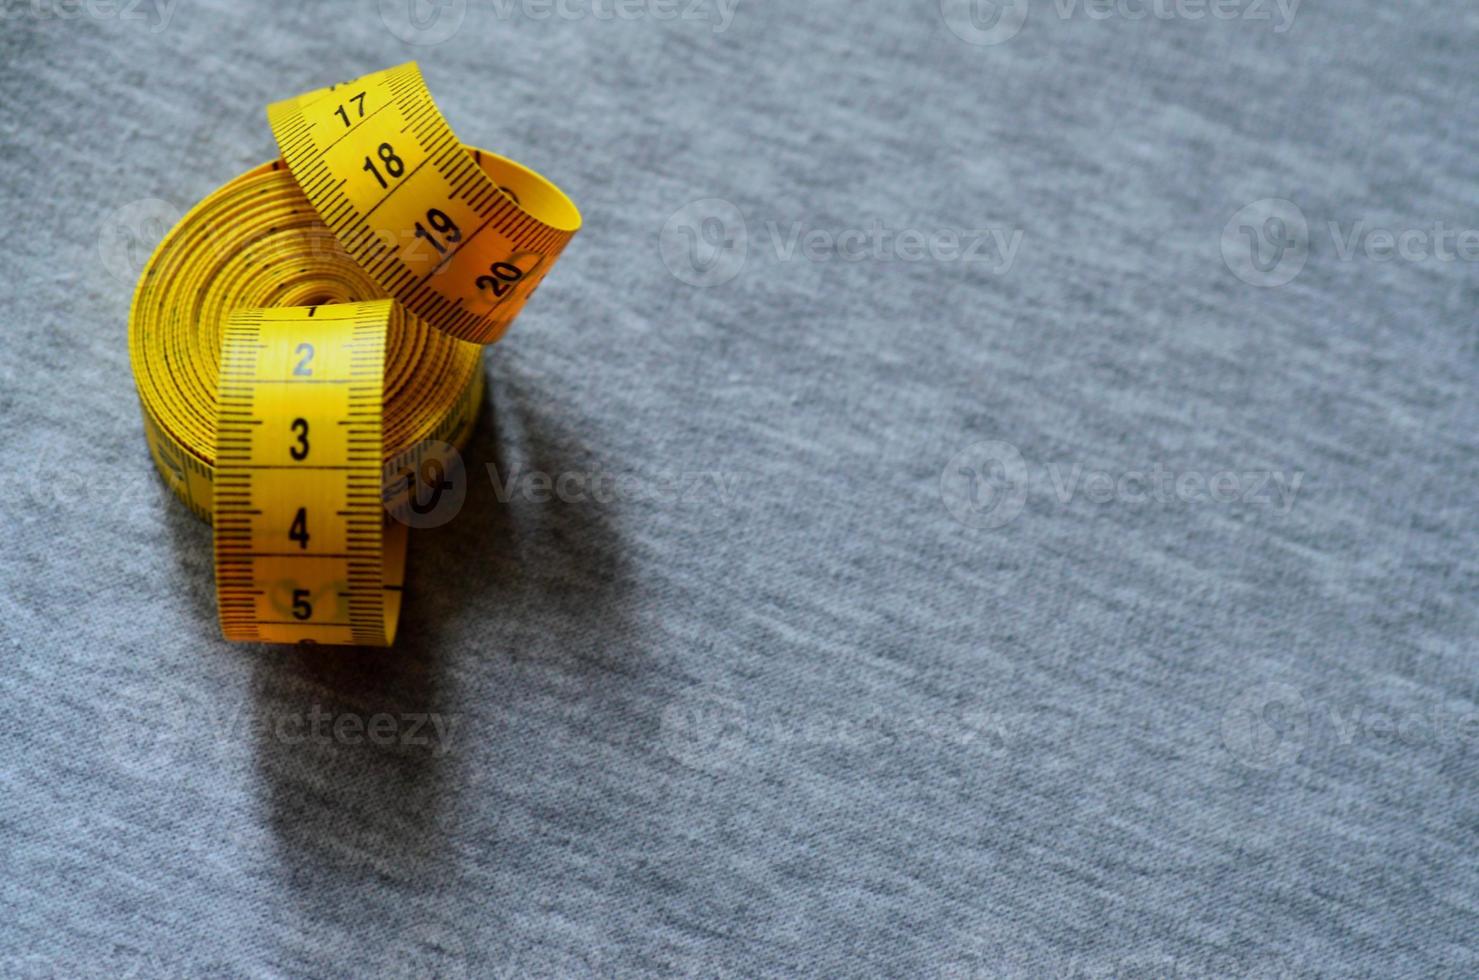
(303, 334)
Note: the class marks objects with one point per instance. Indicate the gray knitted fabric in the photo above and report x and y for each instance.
(991, 491)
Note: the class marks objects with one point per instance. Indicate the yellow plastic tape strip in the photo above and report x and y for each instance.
(303, 552)
(444, 236)
(257, 242)
(333, 227)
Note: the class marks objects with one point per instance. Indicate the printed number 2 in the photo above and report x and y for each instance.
(305, 352)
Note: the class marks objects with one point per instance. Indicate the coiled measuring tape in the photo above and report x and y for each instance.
(304, 334)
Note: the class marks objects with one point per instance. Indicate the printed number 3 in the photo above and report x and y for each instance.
(300, 451)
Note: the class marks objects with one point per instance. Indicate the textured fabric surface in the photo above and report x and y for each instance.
(1018, 518)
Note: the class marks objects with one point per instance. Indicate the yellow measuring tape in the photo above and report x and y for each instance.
(306, 332)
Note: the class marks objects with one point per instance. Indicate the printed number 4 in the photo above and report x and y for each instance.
(299, 530)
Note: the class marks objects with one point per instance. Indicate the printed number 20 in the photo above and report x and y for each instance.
(504, 275)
